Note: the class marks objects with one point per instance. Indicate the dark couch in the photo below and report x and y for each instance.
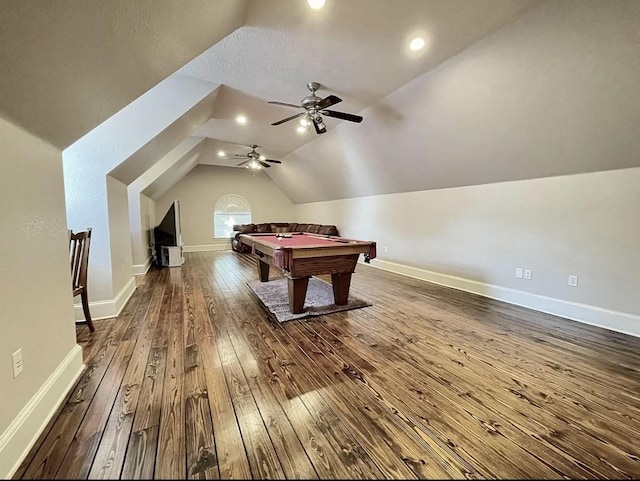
(275, 228)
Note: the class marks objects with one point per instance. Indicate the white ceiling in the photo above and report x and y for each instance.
(356, 49)
(68, 65)
(503, 90)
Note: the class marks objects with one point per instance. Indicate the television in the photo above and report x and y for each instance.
(168, 233)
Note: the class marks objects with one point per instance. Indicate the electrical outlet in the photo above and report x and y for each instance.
(573, 281)
(386, 249)
(519, 272)
(527, 274)
(17, 362)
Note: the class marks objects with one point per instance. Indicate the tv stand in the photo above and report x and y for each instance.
(171, 256)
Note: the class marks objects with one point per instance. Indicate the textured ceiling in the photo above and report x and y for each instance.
(503, 90)
(355, 49)
(68, 65)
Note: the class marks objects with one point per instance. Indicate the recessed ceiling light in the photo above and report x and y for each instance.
(416, 44)
(221, 153)
(241, 119)
(316, 4)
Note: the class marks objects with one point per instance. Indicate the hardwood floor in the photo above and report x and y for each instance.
(193, 381)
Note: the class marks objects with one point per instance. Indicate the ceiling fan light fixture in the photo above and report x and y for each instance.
(316, 4)
(312, 107)
(241, 119)
(301, 129)
(221, 153)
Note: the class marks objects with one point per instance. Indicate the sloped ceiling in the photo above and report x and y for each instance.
(355, 49)
(503, 90)
(173, 174)
(68, 65)
(171, 136)
(553, 93)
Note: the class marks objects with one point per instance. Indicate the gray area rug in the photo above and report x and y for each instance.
(319, 301)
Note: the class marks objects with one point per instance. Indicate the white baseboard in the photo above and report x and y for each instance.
(142, 269)
(222, 246)
(596, 316)
(109, 308)
(18, 439)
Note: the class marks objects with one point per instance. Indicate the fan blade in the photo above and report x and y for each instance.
(242, 156)
(342, 115)
(289, 118)
(242, 163)
(264, 164)
(273, 161)
(328, 102)
(318, 129)
(286, 105)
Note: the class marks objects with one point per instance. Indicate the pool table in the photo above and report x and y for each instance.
(301, 255)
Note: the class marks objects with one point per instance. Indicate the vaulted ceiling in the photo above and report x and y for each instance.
(448, 115)
(68, 65)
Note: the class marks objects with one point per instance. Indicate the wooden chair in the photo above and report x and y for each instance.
(79, 244)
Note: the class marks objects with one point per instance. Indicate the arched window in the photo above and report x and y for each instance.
(230, 210)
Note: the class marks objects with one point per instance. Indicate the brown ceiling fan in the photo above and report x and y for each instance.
(314, 107)
(254, 160)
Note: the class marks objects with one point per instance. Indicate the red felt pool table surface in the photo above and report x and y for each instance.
(283, 250)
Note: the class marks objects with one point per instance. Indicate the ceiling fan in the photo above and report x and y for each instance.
(314, 107)
(254, 159)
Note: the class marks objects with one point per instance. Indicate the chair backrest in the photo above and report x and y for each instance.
(79, 244)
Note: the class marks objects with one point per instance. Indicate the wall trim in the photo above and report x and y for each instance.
(109, 308)
(222, 246)
(23, 432)
(596, 316)
(142, 269)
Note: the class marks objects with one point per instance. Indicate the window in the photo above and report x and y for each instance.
(230, 210)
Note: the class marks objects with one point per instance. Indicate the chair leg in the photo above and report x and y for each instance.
(85, 308)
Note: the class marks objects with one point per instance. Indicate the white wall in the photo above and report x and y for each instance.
(148, 222)
(142, 213)
(136, 132)
(201, 188)
(121, 254)
(585, 224)
(36, 312)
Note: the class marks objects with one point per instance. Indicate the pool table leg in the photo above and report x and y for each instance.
(263, 270)
(341, 283)
(297, 293)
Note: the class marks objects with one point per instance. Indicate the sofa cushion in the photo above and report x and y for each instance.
(262, 228)
(244, 228)
(279, 229)
(302, 227)
(313, 228)
(328, 230)
(293, 227)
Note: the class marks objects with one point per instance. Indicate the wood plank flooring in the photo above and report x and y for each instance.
(193, 381)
